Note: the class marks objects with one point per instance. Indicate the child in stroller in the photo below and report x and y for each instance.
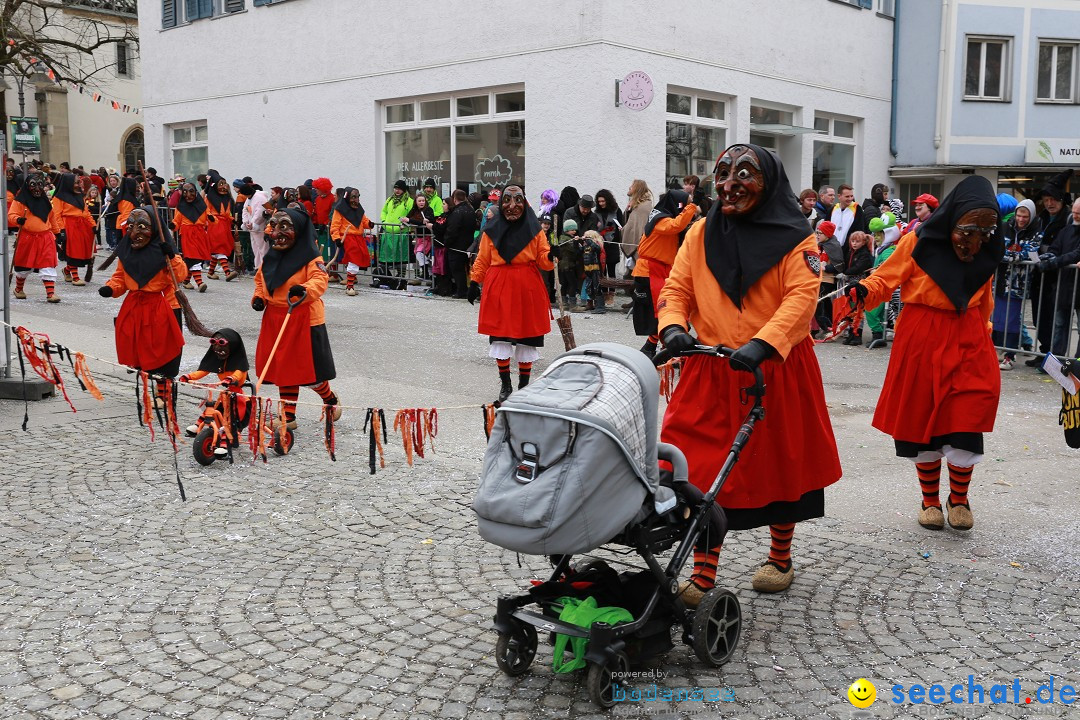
(572, 464)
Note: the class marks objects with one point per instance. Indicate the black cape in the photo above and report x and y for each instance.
(511, 238)
(934, 252)
(65, 190)
(39, 207)
(278, 266)
(343, 208)
(237, 359)
(142, 265)
(670, 205)
(191, 210)
(219, 202)
(739, 250)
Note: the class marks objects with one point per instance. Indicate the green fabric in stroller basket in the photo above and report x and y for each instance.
(582, 613)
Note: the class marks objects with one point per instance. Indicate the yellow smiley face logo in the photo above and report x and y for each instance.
(862, 693)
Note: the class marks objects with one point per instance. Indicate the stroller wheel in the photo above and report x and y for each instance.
(203, 446)
(601, 679)
(514, 652)
(717, 623)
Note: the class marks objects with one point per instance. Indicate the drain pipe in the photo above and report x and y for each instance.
(895, 76)
(942, 97)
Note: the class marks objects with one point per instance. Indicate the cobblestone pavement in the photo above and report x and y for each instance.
(303, 588)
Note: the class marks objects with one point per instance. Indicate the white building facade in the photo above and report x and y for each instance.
(987, 87)
(75, 127)
(475, 97)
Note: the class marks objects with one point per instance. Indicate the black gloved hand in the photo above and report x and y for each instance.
(676, 339)
(297, 291)
(553, 254)
(105, 291)
(858, 293)
(750, 355)
(474, 293)
(21, 221)
(1048, 264)
(258, 304)
(169, 249)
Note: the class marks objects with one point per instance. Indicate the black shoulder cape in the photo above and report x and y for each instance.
(670, 205)
(219, 202)
(237, 359)
(65, 190)
(343, 208)
(933, 250)
(739, 250)
(279, 266)
(39, 207)
(191, 210)
(511, 238)
(142, 265)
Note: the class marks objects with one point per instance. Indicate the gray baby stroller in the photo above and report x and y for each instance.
(571, 465)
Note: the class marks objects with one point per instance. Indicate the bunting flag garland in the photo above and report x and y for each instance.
(95, 96)
(669, 377)
(40, 358)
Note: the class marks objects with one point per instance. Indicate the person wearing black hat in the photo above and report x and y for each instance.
(219, 202)
(1044, 279)
(747, 277)
(349, 231)
(192, 222)
(79, 244)
(433, 200)
(226, 358)
(293, 268)
(942, 386)
(514, 312)
(663, 234)
(584, 215)
(39, 223)
(148, 329)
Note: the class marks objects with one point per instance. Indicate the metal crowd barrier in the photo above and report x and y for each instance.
(1036, 312)
(394, 263)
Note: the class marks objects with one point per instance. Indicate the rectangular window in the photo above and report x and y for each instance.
(435, 110)
(198, 9)
(400, 113)
(123, 65)
(469, 106)
(987, 71)
(692, 150)
(843, 128)
(710, 109)
(821, 124)
(888, 7)
(232, 6)
(494, 157)
(760, 115)
(190, 149)
(833, 164)
(510, 102)
(1057, 72)
(678, 104)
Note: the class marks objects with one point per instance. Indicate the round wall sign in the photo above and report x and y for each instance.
(636, 90)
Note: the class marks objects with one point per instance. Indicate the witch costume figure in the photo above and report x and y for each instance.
(348, 231)
(293, 270)
(514, 312)
(942, 386)
(80, 242)
(226, 358)
(219, 201)
(148, 329)
(35, 245)
(192, 221)
(747, 277)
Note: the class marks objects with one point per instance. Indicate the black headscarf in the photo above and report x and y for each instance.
(739, 250)
(343, 208)
(16, 182)
(237, 359)
(39, 207)
(278, 266)
(669, 205)
(127, 190)
(191, 210)
(218, 201)
(65, 190)
(143, 265)
(934, 252)
(511, 238)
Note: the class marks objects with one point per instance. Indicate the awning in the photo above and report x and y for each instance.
(782, 129)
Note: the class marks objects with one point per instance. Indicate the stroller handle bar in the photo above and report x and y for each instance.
(720, 351)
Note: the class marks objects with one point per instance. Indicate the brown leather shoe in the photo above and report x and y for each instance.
(53, 299)
(960, 517)
(769, 578)
(932, 518)
(690, 593)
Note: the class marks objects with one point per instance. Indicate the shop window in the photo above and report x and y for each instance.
(400, 113)
(834, 164)
(1057, 73)
(510, 102)
(986, 70)
(470, 106)
(190, 149)
(678, 104)
(435, 110)
(692, 147)
(493, 158)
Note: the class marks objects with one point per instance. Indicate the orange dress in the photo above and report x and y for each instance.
(37, 238)
(792, 454)
(148, 334)
(194, 236)
(220, 230)
(514, 306)
(943, 378)
(78, 225)
(352, 238)
(303, 357)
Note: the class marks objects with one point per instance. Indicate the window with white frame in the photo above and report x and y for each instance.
(190, 148)
(472, 141)
(887, 7)
(987, 72)
(696, 134)
(1057, 72)
(182, 12)
(834, 150)
(123, 60)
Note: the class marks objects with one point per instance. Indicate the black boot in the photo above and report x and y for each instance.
(877, 340)
(649, 348)
(853, 339)
(507, 387)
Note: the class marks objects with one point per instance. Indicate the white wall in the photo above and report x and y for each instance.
(268, 120)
